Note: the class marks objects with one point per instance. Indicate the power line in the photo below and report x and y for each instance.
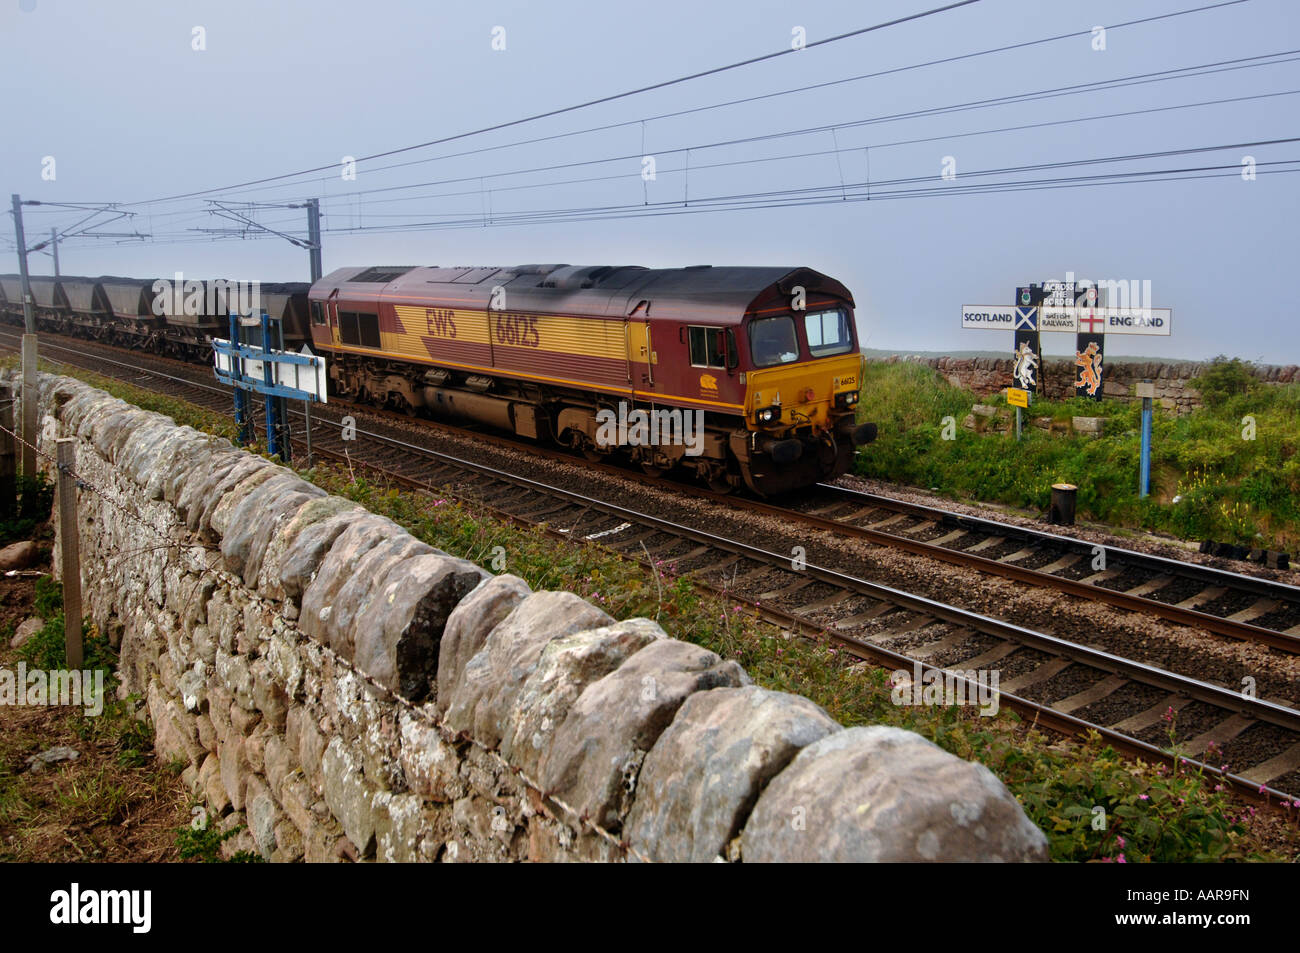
(642, 209)
(822, 153)
(584, 105)
(799, 89)
(1136, 79)
(519, 143)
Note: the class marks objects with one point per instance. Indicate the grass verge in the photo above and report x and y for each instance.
(114, 802)
(1232, 466)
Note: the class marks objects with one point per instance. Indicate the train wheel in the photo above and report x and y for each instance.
(595, 456)
(650, 470)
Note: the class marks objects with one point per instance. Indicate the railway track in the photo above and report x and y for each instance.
(1231, 604)
(1065, 685)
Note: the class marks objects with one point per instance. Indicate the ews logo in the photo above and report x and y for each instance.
(517, 330)
(441, 322)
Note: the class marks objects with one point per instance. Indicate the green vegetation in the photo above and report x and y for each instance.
(203, 843)
(1232, 465)
(47, 649)
(35, 500)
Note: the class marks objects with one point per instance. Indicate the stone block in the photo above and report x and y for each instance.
(430, 764)
(234, 771)
(1088, 425)
(495, 675)
(568, 664)
(399, 631)
(214, 790)
(468, 626)
(349, 797)
(706, 771)
(596, 756)
(262, 816)
(337, 568)
(308, 537)
(288, 843)
(881, 794)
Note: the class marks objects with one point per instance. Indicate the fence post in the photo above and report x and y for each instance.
(8, 477)
(70, 544)
(31, 395)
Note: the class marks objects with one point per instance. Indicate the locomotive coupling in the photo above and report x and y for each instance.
(863, 434)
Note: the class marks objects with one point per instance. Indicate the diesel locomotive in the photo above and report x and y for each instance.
(766, 360)
(759, 366)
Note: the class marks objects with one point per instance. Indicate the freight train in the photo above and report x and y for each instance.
(743, 376)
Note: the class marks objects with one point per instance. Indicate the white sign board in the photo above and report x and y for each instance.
(988, 317)
(1137, 320)
(1058, 294)
(309, 377)
(1056, 318)
(1155, 321)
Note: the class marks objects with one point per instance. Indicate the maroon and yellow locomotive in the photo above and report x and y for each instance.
(766, 360)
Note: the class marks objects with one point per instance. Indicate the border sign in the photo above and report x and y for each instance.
(1070, 320)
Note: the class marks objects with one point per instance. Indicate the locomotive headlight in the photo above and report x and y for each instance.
(846, 400)
(768, 414)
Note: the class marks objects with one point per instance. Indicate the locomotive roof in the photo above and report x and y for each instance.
(722, 294)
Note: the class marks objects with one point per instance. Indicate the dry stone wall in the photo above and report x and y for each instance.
(337, 689)
(1175, 383)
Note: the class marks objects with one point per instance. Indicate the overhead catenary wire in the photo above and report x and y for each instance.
(1179, 72)
(1035, 167)
(1266, 59)
(664, 84)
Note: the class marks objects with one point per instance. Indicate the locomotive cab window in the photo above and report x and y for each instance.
(359, 330)
(317, 313)
(828, 333)
(773, 341)
(712, 347)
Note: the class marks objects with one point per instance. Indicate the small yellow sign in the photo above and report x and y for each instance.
(1017, 397)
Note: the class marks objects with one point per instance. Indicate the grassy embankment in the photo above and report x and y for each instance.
(1229, 487)
(1152, 813)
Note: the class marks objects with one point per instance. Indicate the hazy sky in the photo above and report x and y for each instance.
(130, 111)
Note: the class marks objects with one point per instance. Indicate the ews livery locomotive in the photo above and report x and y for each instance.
(759, 365)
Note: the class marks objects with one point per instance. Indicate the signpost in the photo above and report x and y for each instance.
(1018, 399)
(1147, 391)
(275, 374)
(1073, 307)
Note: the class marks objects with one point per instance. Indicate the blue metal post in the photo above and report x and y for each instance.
(241, 406)
(1144, 478)
(268, 375)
